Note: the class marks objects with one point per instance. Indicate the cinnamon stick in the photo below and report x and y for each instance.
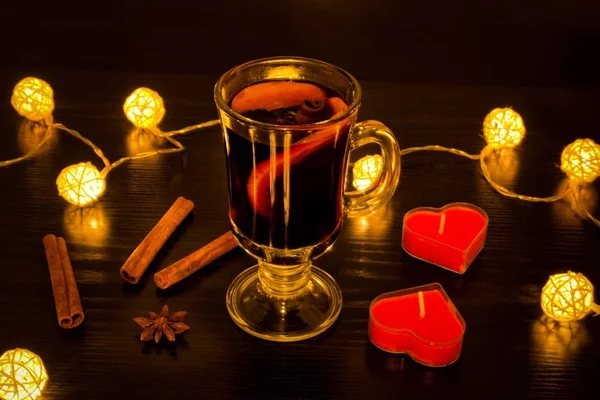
(66, 295)
(142, 256)
(183, 268)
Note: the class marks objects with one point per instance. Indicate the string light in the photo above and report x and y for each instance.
(33, 99)
(568, 297)
(22, 375)
(581, 160)
(366, 171)
(503, 128)
(81, 184)
(144, 108)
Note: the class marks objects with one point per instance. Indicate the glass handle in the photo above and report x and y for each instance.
(372, 180)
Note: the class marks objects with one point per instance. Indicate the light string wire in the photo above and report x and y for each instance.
(572, 188)
(576, 194)
(33, 98)
(439, 148)
(83, 184)
(108, 166)
(169, 137)
(508, 193)
(34, 150)
(78, 135)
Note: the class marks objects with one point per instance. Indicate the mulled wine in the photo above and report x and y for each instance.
(286, 187)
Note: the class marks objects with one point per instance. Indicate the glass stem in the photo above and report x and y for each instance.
(284, 281)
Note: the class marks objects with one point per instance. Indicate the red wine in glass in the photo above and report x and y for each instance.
(286, 192)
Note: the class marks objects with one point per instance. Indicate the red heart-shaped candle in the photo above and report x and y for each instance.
(449, 237)
(421, 322)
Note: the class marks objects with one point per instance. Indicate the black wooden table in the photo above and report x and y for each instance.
(508, 349)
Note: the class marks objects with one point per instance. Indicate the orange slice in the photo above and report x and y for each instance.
(259, 177)
(274, 95)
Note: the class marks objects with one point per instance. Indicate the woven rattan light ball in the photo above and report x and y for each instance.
(366, 171)
(33, 98)
(581, 160)
(22, 375)
(144, 108)
(503, 128)
(567, 297)
(80, 184)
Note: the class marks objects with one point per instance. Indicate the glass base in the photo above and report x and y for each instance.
(284, 319)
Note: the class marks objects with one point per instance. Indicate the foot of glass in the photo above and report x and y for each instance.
(271, 315)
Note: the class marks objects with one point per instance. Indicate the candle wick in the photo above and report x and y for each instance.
(442, 224)
(421, 306)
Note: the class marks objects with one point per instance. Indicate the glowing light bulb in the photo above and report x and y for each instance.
(22, 375)
(80, 184)
(503, 128)
(568, 297)
(144, 108)
(366, 171)
(33, 98)
(581, 160)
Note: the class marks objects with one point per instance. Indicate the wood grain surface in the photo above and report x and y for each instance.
(430, 74)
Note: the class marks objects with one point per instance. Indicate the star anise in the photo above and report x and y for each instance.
(157, 325)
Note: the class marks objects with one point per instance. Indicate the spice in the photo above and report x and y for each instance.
(183, 268)
(157, 325)
(64, 287)
(142, 256)
(311, 111)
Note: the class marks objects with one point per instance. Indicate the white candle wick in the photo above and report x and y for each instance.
(442, 224)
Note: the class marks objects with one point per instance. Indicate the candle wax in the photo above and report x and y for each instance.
(435, 339)
(450, 237)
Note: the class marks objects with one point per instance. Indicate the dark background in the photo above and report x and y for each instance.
(429, 71)
(500, 42)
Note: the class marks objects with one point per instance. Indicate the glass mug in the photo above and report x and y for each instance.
(288, 197)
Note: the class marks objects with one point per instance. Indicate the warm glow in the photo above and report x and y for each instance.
(503, 166)
(366, 171)
(581, 160)
(375, 226)
(141, 141)
(557, 341)
(567, 297)
(503, 128)
(32, 133)
(33, 98)
(89, 226)
(80, 184)
(286, 72)
(572, 210)
(144, 108)
(22, 375)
